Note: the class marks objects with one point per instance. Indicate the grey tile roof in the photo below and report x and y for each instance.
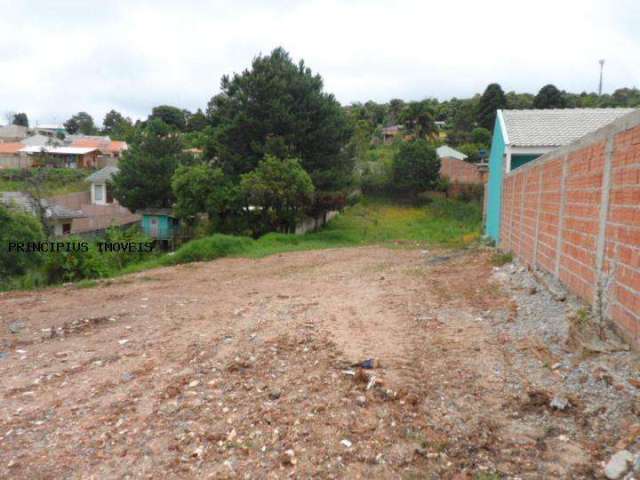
(445, 151)
(62, 213)
(103, 175)
(556, 127)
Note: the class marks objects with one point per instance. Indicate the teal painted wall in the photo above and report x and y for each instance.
(519, 160)
(496, 172)
(166, 226)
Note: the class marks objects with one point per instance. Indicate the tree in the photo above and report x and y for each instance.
(172, 116)
(20, 119)
(281, 188)
(481, 135)
(519, 101)
(277, 102)
(492, 100)
(416, 167)
(418, 118)
(17, 228)
(116, 125)
(146, 168)
(549, 97)
(396, 106)
(198, 121)
(81, 122)
(203, 188)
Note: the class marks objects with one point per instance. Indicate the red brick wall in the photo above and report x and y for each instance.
(560, 211)
(459, 171)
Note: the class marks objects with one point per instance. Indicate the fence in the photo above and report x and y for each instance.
(575, 213)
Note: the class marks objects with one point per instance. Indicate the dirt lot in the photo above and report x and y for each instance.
(243, 369)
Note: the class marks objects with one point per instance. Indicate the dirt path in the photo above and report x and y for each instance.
(236, 369)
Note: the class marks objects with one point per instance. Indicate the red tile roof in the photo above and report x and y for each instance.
(11, 147)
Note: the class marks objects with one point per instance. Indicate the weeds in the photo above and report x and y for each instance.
(499, 258)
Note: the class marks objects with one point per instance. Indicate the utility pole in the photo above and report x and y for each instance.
(601, 62)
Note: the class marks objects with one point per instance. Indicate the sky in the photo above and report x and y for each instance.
(58, 57)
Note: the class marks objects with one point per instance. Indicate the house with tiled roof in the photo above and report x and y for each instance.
(112, 149)
(521, 136)
(11, 156)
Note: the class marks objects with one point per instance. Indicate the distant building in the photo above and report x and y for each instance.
(110, 151)
(40, 140)
(57, 217)
(521, 136)
(453, 165)
(390, 133)
(12, 133)
(11, 156)
(70, 157)
(160, 224)
(49, 129)
(101, 190)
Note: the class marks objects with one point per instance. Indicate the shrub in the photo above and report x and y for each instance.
(76, 264)
(501, 258)
(416, 167)
(18, 227)
(208, 248)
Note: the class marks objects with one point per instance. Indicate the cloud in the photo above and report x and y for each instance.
(57, 58)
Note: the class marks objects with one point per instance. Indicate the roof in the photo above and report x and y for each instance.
(59, 150)
(92, 142)
(445, 151)
(11, 147)
(103, 175)
(62, 213)
(555, 127)
(118, 146)
(392, 129)
(49, 126)
(40, 140)
(164, 212)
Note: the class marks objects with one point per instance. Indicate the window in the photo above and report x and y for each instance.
(66, 228)
(99, 193)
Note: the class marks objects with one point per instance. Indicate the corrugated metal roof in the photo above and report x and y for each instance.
(59, 150)
(556, 127)
(445, 151)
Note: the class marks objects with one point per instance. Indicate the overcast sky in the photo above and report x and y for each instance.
(59, 57)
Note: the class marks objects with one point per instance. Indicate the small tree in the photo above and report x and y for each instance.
(146, 168)
(416, 167)
(481, 135)
(116, 125)
(204, 189)
(281, 188)
(492, 100)
(81, 122)
(549, 97)
(172, 116)
(20, 119)
(418, 118)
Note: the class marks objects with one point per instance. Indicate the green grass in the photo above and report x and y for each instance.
(58, 181)
(446, 223)
(373, 221)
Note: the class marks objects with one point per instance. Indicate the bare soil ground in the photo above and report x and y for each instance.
(241, 368)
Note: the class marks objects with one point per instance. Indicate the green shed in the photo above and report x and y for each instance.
(160, 224)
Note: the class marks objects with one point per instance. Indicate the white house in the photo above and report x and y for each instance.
(101, 185)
